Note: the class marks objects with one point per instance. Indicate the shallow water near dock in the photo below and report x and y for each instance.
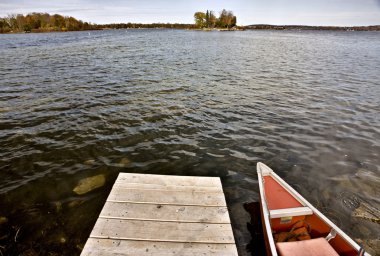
(78, 105)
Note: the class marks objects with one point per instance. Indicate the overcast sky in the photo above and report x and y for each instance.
(304, 12)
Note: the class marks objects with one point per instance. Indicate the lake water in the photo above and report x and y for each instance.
(74, 105)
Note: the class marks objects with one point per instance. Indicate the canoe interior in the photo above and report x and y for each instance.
(277, 197)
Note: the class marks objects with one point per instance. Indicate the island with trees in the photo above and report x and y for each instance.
(208, 20)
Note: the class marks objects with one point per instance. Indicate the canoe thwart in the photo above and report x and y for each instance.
(290, 212)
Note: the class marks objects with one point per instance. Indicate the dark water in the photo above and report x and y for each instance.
(75, 105)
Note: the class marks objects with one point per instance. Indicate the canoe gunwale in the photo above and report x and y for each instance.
(265, 212)
(264, 170)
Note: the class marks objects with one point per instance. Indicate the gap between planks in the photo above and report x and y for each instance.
(135, 202)
(178, 213)
(158, 240)
(163, 231)
(166, 196)
(161, 220)
(171, 188)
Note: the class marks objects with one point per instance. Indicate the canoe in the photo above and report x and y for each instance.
(293, 226)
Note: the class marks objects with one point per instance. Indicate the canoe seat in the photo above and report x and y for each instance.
(313, 247)
(290, 212)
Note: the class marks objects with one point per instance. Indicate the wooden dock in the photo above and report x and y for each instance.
(163, 215)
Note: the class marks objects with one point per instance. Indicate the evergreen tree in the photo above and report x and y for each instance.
(207, 19)
(212, 19)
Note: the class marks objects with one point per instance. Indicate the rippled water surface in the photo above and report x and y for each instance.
(80, 104)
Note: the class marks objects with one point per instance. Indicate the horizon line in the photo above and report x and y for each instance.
(168, 22)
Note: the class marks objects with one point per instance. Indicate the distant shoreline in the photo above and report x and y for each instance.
(45, 23)
(306, 27)
(191, 27)
(240, 28)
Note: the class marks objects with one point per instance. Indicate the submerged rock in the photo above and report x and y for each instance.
(350, 200)
(57, 206)
(71, 202)
(29, 252)
(2, 110)
(371, 246)
(3, 220)
(368, 176)
(75, 203)
(88, 184)
(89, 162)
(367, 212)
(62, 240)
(124, 162)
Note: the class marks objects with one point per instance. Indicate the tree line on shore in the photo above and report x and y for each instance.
(42, 22)
(226, 19)
(130, 25)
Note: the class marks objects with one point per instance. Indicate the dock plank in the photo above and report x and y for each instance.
(168, 187)
(166, 197)
(169, 180)
(163, 231)
(105, 247)
(180, 213)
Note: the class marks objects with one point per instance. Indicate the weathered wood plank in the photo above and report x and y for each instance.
(169, 180)
(162, 231)
(105, 247)
(167, 187)
(167, 197)
(166, 212)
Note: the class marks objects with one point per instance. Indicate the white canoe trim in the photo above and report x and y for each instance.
(290, 212)
(264, 207)
(265, 170)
